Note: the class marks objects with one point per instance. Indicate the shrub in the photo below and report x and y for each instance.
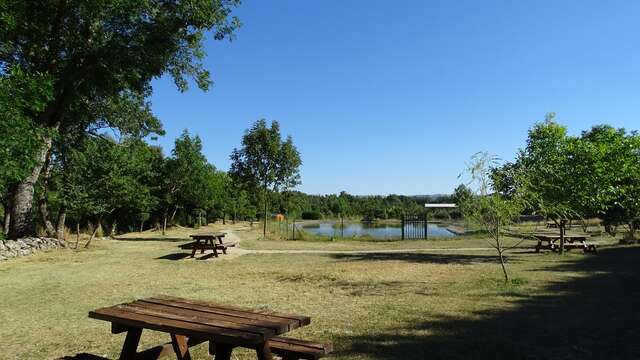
(311, 215)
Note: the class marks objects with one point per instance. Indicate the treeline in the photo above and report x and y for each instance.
(305, 206)
(124, 185)
(129, 185)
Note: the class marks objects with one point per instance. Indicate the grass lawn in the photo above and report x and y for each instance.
(418, 305)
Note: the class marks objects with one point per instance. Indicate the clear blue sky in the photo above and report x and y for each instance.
(394, 96)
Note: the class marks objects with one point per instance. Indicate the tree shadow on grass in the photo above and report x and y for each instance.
(167, 239)
(83, 356)
(419, 257)
(182, 255)
(595, 315)
(174, 256)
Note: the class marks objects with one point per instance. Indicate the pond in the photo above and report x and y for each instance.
(374, 230)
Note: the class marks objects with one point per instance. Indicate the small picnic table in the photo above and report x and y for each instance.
(192, 322)
(213, 241)
(551, 242)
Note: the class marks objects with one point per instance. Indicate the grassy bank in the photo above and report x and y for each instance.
(445, 304)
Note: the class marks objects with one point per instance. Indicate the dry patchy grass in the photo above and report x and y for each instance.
(438, 305)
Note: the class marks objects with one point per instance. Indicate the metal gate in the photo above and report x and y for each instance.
(414, 227)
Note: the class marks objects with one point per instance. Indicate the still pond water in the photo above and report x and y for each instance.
(376, 231)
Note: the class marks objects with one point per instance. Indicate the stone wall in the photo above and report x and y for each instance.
(27, 246)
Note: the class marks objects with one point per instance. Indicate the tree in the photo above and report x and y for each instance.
(106, 177)
(265, 163)
(186, 179)
(94, 52)
(564, 177)
(462, 193)
(491, 211)
(543, 174)
(605, 163)
(21, 95)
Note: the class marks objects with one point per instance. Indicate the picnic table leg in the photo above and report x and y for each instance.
(204, 246)
(180, 346)
(223, 351)
(224, 249)
(195, 248)
(130, 346)
(264, 352)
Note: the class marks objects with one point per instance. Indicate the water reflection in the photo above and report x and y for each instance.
(374, 230)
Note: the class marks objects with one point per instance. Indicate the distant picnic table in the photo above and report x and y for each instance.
(192, 322)
(214, 241)
(552, 242)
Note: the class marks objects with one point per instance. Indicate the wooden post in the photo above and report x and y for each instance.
(563, 223)
(180, 347)
(426, 225)
(130, 344)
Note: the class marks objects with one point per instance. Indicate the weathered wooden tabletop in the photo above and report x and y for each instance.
(224, 326)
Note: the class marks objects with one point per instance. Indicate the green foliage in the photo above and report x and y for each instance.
(265, 162)
(565, 177)
(21, 96)
(106, 177)
(311, 215)
(97, 60)
(187, 174)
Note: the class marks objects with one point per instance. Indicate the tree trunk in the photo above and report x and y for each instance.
(504, 268)
(141, 225)
(114, 225)
(164, 223)
(93, 234)
(77, 234)
(7, 218)
(563, 224)
(21, 222)
(173, 216)
(42, 200)
(62, 217)
(264, 226)
(500, 255)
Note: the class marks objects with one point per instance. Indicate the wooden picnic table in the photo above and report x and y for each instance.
(551, 242)
(192, 322)
(213, 241)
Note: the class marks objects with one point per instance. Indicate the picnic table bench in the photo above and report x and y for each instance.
(551, 242)
(204, 242)
(192, 322)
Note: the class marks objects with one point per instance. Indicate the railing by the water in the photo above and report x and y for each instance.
(415, 227)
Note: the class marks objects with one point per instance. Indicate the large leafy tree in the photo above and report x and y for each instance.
(542, 173)
(190, 183)
(565, 177)
(265, 162)
(605, 162)
(21, 96)
(107, 177)
(94, 52)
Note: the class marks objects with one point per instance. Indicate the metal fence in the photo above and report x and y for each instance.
(414, 227)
